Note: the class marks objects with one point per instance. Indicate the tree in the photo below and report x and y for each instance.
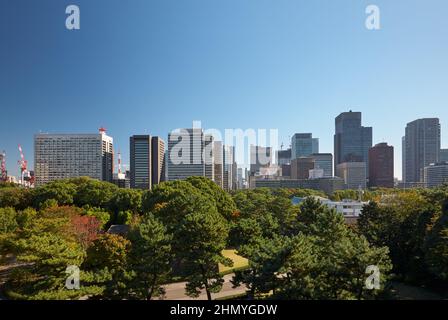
(126, 200)
(201, 238)
(8, 222)
(93, 193)
(17, 198)
(61, 191)
(107, 267)
(150, 258)
(223, 201)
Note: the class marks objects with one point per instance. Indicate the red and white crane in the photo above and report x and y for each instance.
(26, 179)
(23, 165)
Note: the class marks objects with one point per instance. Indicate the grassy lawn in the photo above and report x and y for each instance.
(238, 261)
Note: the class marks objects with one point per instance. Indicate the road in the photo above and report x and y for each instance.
(176, 291)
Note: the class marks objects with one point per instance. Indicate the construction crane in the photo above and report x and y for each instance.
(23, 166)
(119, 162)
(26, 179)
(4, 174)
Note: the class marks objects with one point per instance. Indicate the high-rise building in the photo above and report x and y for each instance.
(300, 167)
(147, 155)
(443, 156)
(209, 158)
(218, 163)
(283, 157)
(259, 157)
(185, 154)
(323, 161)
(61, 156)
(421, 148)
(352, 141)
(303, 145)
(140, 157)
(353, 173)
(158, 160)
(229, 167)
(436, 174)
(381, 166)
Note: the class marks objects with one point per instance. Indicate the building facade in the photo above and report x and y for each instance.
(284, 157)
(436, 174)
(300, 167)
(147, 156)
(381, 166)
(353, 173)
(352, 141)
(323, 161)
(185, 154)
(62, 156)
(260, 157)
(421, 147)
(443, 156)
(303, 145)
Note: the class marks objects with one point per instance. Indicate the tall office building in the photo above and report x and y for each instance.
(352, 141)
(421, 148)
(158, 160)
(381, 166)
(61, 156)
(218, 163)
(303, 144)
(259, 157)
(300, 167)
(323, 161)
(185, 154)
(436, 174)
(147, 161)
(443, 156)
(353, 173)
(209, 157)
(229, 168)
(283, 157)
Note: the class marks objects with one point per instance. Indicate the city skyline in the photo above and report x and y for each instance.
(292, 66)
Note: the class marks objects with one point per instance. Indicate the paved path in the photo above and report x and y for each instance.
(176, 291)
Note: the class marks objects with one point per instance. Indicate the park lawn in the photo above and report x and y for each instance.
(238, 261)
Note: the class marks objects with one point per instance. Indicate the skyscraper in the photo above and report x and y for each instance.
(259, 157)
(158, 160)
(209, 157)
(61, 156)
(229, 168)
(185, 154)
(352, 141)
(323, 161)
(421, 148)
(381, 166)
(303, 144)
(218, 162)
(147, 161)
(283, 157)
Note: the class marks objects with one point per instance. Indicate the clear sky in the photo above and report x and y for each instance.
(150, 66)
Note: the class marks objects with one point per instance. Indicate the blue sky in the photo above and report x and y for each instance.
(147, 66)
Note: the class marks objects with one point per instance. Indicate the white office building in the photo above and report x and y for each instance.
(61, 156)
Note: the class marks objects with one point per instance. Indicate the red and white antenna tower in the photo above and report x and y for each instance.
(119, 162)
(4, 176)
